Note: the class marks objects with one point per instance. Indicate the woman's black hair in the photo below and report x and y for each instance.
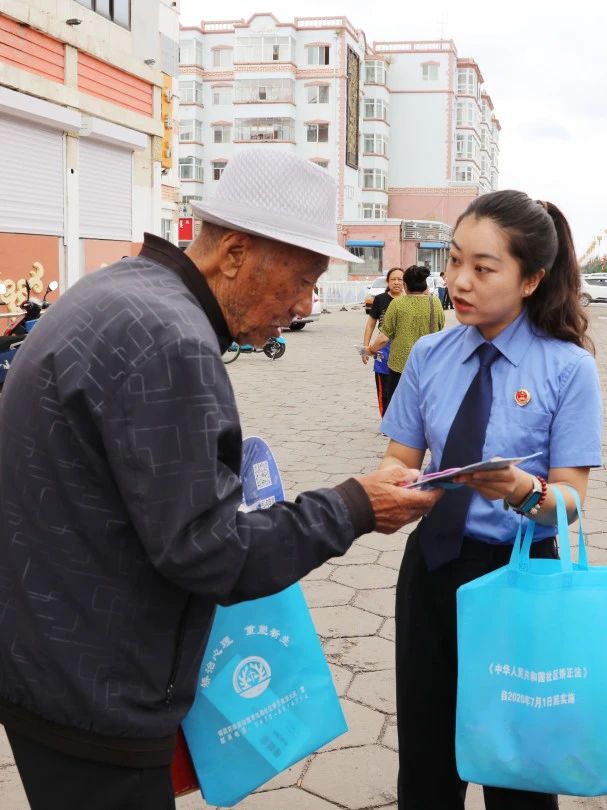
(389, 273)
(540, 238)
(415, 278)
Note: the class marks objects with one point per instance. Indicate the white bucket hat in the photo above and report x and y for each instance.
(277, 195)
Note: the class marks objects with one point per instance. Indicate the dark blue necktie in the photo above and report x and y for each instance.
(441, 533)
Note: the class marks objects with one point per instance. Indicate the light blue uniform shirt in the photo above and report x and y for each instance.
(562, 419)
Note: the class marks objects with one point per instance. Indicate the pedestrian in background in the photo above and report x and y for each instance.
(406, 320)
(120, 452)
(515, 377)
(381, 302)
(441, 287)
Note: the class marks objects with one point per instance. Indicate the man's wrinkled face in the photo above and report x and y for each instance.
(274, 284)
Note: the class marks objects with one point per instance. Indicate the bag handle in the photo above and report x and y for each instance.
(520, 553)
(432, 324)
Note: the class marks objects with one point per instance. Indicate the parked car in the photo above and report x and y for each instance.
(594, 288)
(379, 285)
(298, 322)
(375, 288)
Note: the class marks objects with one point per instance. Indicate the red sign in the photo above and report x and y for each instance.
(185, 229)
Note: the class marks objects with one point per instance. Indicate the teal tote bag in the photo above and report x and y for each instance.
(265, 697)
(532, 672)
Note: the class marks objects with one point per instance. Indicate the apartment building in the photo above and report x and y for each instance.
(406, 128)
(86, 114)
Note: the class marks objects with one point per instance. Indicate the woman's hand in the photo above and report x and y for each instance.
(511, 483)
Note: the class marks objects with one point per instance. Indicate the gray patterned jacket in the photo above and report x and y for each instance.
(120, 451)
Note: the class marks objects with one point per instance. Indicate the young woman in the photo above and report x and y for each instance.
(406, 320)
(521, 350)
(394, 280)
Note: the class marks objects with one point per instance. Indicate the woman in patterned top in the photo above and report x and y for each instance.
(381, 303)
(406, 320)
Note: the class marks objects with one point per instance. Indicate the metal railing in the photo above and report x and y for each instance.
(341, 293)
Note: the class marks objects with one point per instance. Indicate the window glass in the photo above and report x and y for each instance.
(122, 13)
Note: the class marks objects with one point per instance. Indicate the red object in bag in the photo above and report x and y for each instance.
(183, 774)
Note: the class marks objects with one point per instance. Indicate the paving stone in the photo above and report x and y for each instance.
(342, 678)
(286, 799)
(356, 778)
(375, 689)
(357, 555)
(325, 593)
(388, 630)
(365, 576)
(391, 559)
(383, 542)
(364, 726)
(379, 600)
(367, 654)
(344, 621)
(390, 736)
(287, 778)
(322, 572)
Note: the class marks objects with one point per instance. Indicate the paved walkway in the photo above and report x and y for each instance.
(316, 407)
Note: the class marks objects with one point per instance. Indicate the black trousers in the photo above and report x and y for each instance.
(382, 384)
(56, 781)
(426, 679)
(393, 381)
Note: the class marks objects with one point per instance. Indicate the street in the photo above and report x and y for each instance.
(317, 409)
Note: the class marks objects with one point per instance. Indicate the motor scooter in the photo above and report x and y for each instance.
(273, 348)
(18, 330)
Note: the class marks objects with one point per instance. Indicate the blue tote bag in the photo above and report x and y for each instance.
(265, 696)
(532, 680)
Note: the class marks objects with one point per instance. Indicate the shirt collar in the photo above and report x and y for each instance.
(175, 259)
(512, 342)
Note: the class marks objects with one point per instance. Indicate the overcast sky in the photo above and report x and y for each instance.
(545, 66)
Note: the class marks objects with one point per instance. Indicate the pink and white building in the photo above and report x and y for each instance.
(406, 128)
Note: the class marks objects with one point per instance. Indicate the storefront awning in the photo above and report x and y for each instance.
(434, 245)
(363, 243)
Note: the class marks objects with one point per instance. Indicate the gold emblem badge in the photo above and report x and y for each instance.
(522, 397)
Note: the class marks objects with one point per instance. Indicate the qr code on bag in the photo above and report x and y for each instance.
(261, 471)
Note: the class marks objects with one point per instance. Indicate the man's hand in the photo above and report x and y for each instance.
(393, 505)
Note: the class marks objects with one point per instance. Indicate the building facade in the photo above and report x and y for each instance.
(406, 128)
(86, 124)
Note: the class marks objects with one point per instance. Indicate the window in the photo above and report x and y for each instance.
(317, 133)
(466, 147)
(265, 48)
(166, 228)
(464, 174)
(222, 95)
(318, 94)
(221, 134)
(190, 129)
(190, 52)
(222, 57)
(375, 179)
(375, 72)
(375, 144)
(430, 71)
(218, 167)
(264, 129)
(264, 90)
(190, 168)
(190, 91)
(374, 211)
(318, 54)
(119, 11)
(466, 81)
(324, 164)
(376, 108)
(372, 260)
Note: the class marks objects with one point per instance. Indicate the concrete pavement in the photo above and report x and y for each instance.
(316, 407)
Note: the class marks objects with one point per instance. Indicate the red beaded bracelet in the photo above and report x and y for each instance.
(544, 484)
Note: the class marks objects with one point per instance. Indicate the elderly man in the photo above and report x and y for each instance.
(120, 449)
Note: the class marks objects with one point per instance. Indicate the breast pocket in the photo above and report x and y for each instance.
(519, 431)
